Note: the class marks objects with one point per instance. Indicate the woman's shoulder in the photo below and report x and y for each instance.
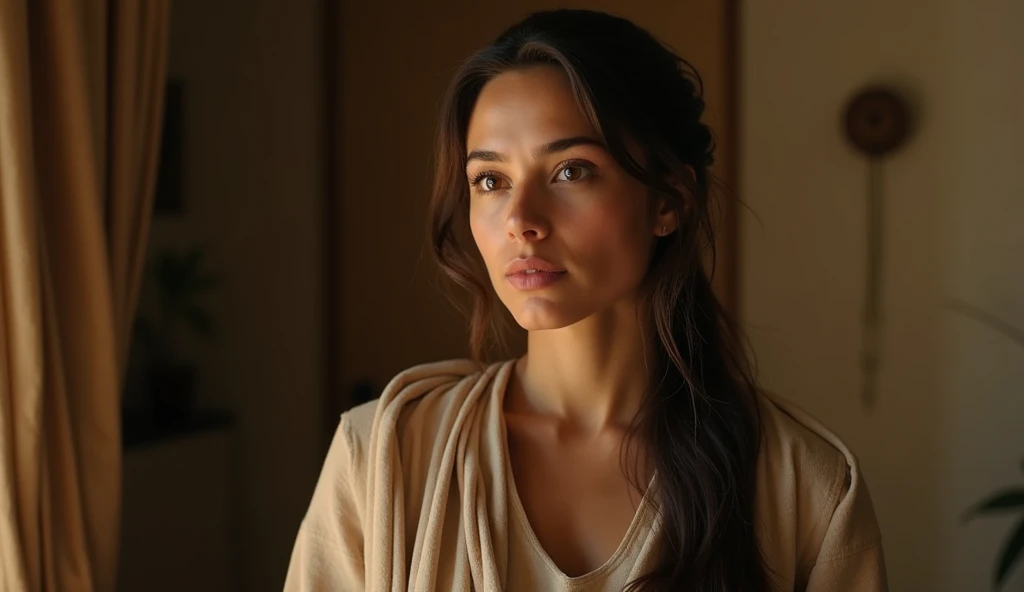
(790, 434)
(415, 399)
(812, 497)
(420, 379)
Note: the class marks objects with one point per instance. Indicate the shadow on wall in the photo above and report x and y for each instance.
(218, 479)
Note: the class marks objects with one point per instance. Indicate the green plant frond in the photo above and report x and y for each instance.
(181, 275)
(200, 320)
(1011, 553)
(170, 272)
(1004, 500)
(988, 319)
(204, 283)
(192, 259)
(164, 267)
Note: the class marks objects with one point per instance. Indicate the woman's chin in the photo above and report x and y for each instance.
(545, 317)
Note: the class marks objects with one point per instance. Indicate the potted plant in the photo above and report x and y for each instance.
(179, 281)
(1004, 501)
(1007, 499)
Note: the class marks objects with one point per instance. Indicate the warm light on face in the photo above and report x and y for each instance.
(542, 185)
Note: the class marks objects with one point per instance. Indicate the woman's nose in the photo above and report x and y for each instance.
(526, 219)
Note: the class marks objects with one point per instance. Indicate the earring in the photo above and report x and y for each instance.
(664, 231)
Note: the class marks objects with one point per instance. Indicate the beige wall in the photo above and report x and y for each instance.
(253, 194)
(947, 427)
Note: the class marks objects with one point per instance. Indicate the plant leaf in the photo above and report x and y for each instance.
(172, 273)
(1005, 500)
(193, 258)
(1011, 552)
(201, 321)
(204, 283)
(988, 319)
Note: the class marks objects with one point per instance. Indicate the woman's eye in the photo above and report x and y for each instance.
(573, 173)
(485, 182)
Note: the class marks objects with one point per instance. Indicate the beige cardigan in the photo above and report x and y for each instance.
(414, 495)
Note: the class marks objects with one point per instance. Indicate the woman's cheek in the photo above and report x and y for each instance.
(606, 224)
(486, 234)
(613, 238)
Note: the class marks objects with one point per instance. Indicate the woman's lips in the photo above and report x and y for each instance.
(534, 280)
(532, 273)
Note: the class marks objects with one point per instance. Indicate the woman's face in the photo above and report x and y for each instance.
(564, 231)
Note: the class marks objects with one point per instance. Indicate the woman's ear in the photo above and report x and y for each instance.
(666, 220)
(667, 216)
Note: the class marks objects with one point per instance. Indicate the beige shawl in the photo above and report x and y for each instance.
(414, 495)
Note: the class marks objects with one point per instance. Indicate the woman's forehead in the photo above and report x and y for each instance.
(527, 108)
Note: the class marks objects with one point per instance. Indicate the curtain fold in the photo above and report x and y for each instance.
(81, 98)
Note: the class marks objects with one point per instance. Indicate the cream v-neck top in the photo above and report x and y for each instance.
(417, 493)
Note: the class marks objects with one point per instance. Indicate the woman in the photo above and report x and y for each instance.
(629, 448)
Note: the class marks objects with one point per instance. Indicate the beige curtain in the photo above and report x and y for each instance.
(81, 96)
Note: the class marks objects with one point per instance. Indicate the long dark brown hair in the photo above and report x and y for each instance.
(698, 422)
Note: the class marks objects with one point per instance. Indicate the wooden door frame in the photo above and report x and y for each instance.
(333, 381)
(330, 148)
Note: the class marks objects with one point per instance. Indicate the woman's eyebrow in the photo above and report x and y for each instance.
(546, 149)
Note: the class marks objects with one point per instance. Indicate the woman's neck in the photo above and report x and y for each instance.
(591, 374)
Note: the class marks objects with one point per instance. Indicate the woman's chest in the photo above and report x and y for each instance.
(572, 497)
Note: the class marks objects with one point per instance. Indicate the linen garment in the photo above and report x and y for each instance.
(417, 493)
